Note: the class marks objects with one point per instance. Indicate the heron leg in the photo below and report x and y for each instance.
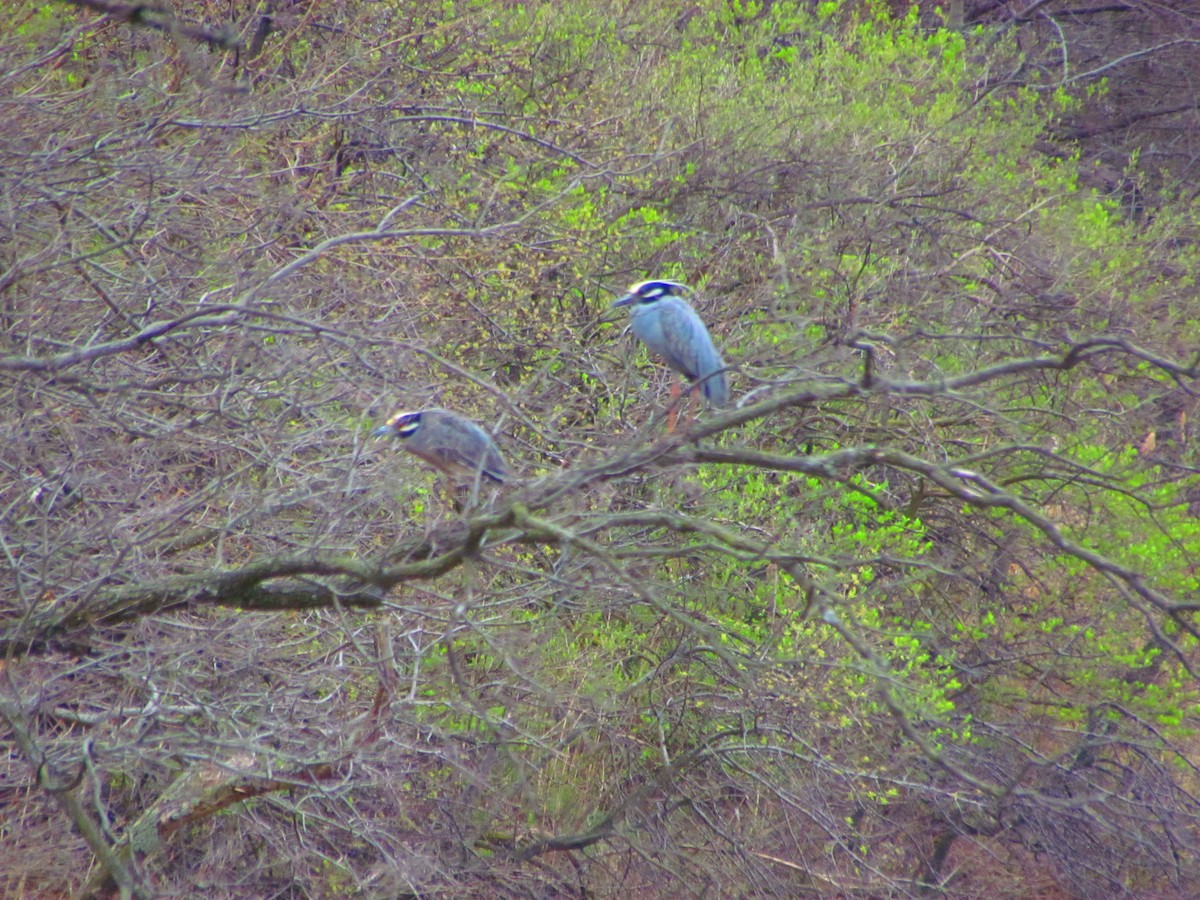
(673, 409)
(695, 401)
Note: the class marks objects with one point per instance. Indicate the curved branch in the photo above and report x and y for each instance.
(209, 316)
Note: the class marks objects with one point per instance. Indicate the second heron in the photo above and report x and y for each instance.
(670, 328)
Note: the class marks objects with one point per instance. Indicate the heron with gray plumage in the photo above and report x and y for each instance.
(451, 443)
(670, 328)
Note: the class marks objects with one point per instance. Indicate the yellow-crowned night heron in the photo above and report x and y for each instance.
(666, 324)
(450, 442)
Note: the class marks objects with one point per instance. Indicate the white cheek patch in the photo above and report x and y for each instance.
(406, 425)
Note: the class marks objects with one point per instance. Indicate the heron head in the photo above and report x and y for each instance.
(401, 425)
(651, 291)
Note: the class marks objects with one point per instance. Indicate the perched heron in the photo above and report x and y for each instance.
(666, 324)
(449, 442)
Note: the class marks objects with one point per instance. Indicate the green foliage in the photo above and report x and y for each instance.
(1121, 528)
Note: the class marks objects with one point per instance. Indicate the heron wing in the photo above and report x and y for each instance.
(476, 451)
(689, 349)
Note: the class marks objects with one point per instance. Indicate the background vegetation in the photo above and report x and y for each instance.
(916, 616)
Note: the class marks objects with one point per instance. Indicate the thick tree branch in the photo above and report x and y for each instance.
(249, 587)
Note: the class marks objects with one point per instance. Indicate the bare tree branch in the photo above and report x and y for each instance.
(124, 875)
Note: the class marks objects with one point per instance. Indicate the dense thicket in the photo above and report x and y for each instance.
(916, 615)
